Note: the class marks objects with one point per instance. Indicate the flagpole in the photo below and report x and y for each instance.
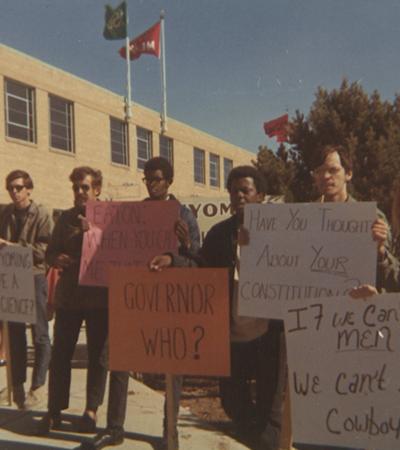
(128, 111)
(163, 77)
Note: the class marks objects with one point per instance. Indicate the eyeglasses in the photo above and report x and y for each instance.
(321, 171)
(84, 187)
(152, 180)
(16, 187)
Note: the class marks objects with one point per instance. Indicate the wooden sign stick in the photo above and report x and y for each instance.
(6, 340)
(286, 439)
(171, 413)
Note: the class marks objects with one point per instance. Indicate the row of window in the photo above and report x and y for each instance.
(20, 124)
(199, 158)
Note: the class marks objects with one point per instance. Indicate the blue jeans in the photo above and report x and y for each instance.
(40, 338)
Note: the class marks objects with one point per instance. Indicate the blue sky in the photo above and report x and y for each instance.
(231, 64)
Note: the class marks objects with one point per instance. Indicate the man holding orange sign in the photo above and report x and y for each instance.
(254, 342)
(158, 177)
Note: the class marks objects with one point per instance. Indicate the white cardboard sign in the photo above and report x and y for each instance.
(308, 250)
(17, 288)
(344, 371)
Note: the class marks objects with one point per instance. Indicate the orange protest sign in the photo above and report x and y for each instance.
(125, 234)
(175, 321)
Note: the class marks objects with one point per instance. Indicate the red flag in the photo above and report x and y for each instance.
(277, 128)
(148, 42)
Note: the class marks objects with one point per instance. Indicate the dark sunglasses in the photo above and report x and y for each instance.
(17, 187)
(84, 187)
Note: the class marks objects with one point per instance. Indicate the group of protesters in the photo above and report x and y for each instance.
(253, 395)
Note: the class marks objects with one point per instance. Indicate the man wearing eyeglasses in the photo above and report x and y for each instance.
(25, 223)
(158, 177)
(333, 171)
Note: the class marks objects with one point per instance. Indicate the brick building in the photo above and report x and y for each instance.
(52, 121)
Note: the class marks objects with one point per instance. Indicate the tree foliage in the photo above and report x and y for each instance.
(277, 169)
(366, 125)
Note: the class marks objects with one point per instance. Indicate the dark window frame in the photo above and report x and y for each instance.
(167, 149)
(146, 141)
(119, 142)
(199, 157)
(61, 124)
(20, 105)
(228, 166)
(215, 166)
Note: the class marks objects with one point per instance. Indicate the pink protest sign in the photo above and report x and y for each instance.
(125, 234)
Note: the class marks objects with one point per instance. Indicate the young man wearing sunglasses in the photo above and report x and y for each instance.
(75, 304)
(25, 223)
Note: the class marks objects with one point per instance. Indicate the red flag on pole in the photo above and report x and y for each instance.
(148, 42)
(277, 128)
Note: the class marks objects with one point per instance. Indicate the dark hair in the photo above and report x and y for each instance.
(28, 183)
(79, 173)
(344, 155)
(244, 172)
(159, 163)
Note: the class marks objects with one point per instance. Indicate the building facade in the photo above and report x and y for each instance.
(52, 121)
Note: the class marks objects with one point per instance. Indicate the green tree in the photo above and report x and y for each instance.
(277, 169)
(366, 125)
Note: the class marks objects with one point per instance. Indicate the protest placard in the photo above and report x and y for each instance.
(175, 321)
(125, 234)
(17, 287)
(344, 371)
(304, 251)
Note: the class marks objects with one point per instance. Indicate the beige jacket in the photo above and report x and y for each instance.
(35, 233)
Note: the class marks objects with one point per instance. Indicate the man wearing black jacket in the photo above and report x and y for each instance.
(158, 177)
(254, 342)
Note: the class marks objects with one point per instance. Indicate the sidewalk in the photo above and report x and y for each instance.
(143, 423)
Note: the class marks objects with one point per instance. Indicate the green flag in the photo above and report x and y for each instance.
(115, 22)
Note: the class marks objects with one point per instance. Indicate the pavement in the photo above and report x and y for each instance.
(143, 423)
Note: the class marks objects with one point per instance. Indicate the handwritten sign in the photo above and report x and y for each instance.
(304, 251)
(125, 234)
(17, 288)
(174, 322)
(344, 371)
